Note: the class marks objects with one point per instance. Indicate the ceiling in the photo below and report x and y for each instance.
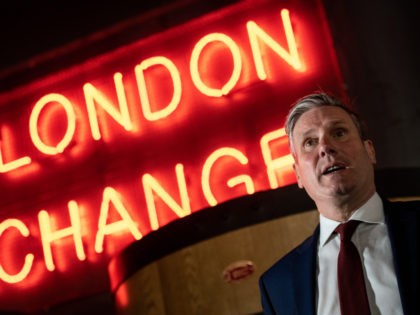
(30, 28)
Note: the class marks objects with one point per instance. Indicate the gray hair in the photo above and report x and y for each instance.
(319, 99)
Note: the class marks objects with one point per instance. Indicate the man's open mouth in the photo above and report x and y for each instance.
(333, 168)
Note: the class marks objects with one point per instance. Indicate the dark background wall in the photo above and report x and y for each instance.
(378, 49)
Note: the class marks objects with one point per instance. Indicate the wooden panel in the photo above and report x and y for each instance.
(190, 280)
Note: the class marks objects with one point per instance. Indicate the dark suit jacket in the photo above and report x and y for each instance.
(289, 286)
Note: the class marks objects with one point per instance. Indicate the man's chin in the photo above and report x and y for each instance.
(339, 191)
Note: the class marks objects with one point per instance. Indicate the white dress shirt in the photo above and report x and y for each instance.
(372, 241)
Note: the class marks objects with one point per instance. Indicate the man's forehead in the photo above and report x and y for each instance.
(321, 116)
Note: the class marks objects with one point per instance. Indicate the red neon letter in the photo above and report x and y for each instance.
(29, 258)
(111, 195)
(150, 185)
(237, 64)
(49, 236)
(279, 165)
(57, 99)
(237, 180)
(92, 96)
(291, 57)
(11, 165)
(144, 96)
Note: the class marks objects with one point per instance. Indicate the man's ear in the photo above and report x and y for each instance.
(296, 169)
(370, 149)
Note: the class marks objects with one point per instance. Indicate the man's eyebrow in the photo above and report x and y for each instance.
(338, 122)
(306, 134)
(332, 123)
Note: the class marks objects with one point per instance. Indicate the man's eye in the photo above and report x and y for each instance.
(340, 132)
(309, 143)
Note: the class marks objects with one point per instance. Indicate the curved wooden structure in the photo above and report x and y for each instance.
(178, 269)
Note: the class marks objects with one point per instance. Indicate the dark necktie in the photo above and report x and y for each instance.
(351, 283)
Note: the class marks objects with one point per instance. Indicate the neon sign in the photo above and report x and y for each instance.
(97, 156)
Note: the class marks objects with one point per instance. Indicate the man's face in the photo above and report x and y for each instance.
(331, 160)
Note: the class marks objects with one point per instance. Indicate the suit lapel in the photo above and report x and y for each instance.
(304, 274)
(402, 221)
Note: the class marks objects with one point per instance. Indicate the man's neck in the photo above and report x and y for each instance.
(341, 208)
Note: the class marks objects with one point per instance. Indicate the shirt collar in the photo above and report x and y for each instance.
(371, 212)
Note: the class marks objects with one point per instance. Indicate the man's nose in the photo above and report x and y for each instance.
(326, 147)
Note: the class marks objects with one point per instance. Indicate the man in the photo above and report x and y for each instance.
(334, 164)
